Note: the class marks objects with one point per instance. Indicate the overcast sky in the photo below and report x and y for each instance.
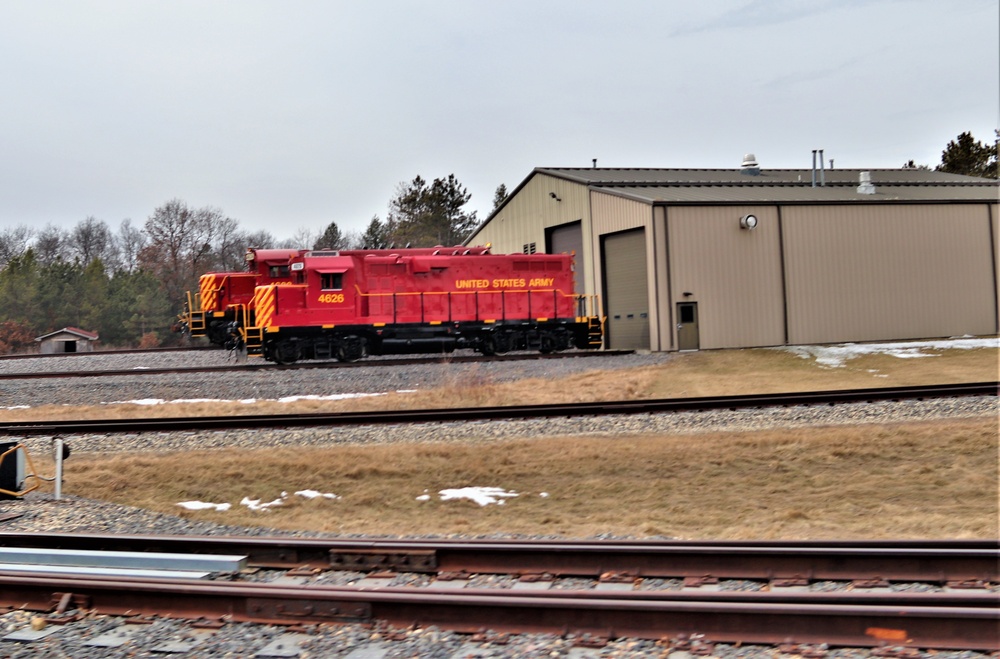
(289, 114)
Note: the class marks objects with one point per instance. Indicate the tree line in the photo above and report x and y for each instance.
(129, 284)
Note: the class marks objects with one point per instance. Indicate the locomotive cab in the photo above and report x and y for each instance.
(225, 299)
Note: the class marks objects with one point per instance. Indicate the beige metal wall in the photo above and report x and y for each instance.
(526, 216)
(733, 274)
(994, 213)
(613, 214)
(870, 273)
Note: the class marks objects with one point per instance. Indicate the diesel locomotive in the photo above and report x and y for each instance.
(349, 304)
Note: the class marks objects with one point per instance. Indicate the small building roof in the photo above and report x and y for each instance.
(75, 331)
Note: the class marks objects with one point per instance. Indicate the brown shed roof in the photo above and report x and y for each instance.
(75, 331)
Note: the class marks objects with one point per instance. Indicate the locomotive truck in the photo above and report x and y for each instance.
(349, 304)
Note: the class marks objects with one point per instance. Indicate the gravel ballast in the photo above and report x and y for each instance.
(40, 512)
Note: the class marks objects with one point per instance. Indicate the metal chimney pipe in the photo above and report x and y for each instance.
(814, 168)
(822, 171)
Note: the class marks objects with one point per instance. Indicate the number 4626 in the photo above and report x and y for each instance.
(331, 298)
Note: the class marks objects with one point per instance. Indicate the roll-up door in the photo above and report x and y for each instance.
(568, 239)
(626, 295)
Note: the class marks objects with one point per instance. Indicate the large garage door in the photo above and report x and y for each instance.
(568, 239)
(626, 297)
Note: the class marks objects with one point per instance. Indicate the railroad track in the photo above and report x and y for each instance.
(660, 406)
(616, 601)
(263, 366)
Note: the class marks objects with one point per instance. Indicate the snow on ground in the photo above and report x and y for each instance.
(245, 401)
(484, 496)
(256, 504)
(836, 356)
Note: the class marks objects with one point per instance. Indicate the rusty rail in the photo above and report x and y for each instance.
(753, 620)
(927, 561)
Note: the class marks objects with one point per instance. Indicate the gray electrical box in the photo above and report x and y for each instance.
(11, 470)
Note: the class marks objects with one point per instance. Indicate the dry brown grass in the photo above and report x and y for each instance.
(917, 480)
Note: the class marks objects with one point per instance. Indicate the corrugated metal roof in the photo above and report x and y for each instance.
(779, 185)
(789, 186)
(708, 194)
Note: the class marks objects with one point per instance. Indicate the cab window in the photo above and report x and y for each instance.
(331, 281)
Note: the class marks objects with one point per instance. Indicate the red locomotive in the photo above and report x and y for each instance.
(348, 304)
(224, 298)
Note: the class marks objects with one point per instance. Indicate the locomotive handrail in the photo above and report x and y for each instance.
(585, 298)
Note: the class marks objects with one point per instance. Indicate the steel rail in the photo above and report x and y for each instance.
(763, 620)
(34, 428)
(935, 562)
(265, 367)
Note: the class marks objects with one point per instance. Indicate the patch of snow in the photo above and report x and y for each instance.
(312, 494)
(204, 505)
(245, 401)
(484, 496)
(255, 504)
(836, 356)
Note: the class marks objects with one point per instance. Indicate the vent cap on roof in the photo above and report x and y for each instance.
(866, 186)
(750, 166)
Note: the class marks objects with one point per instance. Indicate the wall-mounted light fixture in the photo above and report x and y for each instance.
(748, 222)
(553, 195)
(688, 293)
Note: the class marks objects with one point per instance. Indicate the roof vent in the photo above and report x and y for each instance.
(866, 186)
(750, 166)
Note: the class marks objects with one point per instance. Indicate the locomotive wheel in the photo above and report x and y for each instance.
(501, 342)
(286, 353)
(547, 344)
(351, 349)
(487, 346)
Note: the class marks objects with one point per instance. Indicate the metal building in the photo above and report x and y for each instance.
(750, 257)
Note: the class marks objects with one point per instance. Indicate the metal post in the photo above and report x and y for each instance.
(59, 466)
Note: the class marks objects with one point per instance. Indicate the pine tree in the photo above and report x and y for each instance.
(424, 215)
(376, 235)
(332, 238)
(965, 155)
(499, 196)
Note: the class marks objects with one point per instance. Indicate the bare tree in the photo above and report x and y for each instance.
(129, 244)
(14, 242)
(50, 245)
(230, 245)
(90, 239)
(303, 238)
(180, 246)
